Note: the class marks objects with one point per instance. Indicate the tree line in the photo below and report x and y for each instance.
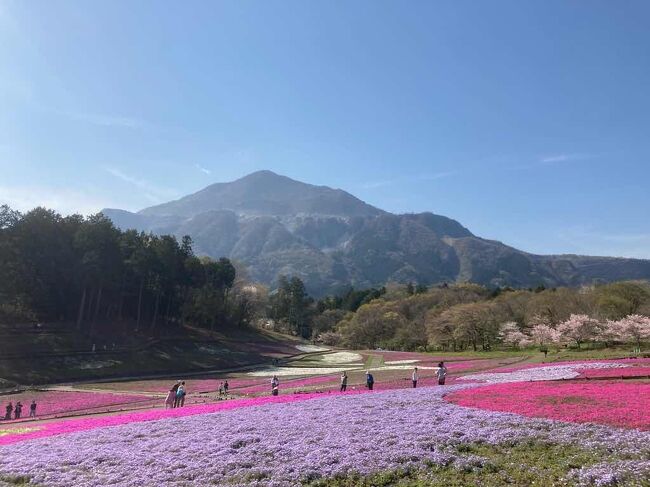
(86, 271)
(469, 316)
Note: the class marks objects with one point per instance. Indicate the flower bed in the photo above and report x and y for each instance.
(82, 424)
(569, 370)
(619, 404)
(628, 362)
(162, 386)
(614, 373)
(291, 384)
(59, 402)
(295, 442)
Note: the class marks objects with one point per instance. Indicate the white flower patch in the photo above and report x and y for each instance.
(551, 372)
(400, 362)
(403, 367)
(311, 348)
(291, 371)
(340, 357)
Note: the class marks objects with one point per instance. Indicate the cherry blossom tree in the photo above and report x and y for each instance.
(511, 335)
(579, 329)
(612, 331)
(636, 327)
(544, 335)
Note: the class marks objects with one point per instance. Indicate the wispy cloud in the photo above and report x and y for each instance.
(553, 158)
(406, 179)
(202, 169)
(153, 192)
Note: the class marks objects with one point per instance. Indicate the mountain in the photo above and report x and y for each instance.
(332, 240)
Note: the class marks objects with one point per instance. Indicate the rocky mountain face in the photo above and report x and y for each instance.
(329, 238)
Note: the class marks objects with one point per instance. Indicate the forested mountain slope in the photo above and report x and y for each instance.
(331, 239)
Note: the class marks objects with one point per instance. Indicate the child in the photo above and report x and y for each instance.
(170, 399)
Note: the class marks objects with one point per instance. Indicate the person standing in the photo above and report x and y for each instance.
(32, 409)
(180, 395)
(441, 373)
(8, 410)
(174, 389)
(225, 387)
(414, 377)
(18, 410)
(344, 381)
(370, 381)
(275, 386)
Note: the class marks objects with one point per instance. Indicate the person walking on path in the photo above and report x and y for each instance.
(275, 386)
(180, 395)
(414, 377)
(8, 410)
(170, 399)
(32, 409)
(370, 381)
(344, 381)
(18, 410)
(441, 373)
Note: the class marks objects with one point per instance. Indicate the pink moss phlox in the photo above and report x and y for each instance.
(82, 424)
(290, 384)
(613, 373)
(57, 402)
(631, 362)
(621, 404)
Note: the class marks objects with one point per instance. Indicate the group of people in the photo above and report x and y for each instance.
(176, 395)
(223, 388)
(441, 374)
(17, 410)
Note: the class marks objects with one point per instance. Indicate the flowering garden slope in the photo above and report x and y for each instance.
(51, 403)
(298, 442)
(83, 424)
(359, 439)
(619, 404)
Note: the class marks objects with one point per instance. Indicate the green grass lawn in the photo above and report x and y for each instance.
(520, 465)
(534, 355)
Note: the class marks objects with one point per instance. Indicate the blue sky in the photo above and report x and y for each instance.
(529, 122)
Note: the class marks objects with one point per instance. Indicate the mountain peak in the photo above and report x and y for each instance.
(267, 193)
